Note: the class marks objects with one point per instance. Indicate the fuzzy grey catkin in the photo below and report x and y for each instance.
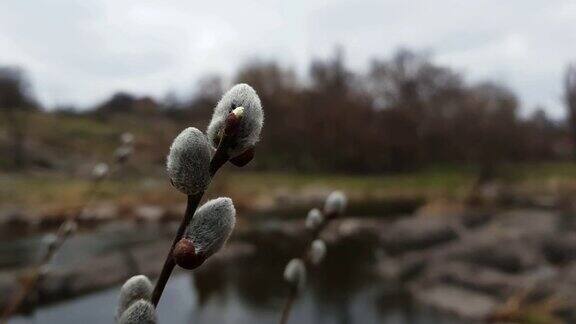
(127, 138)
(100, 171)
(188, 163)
(211, 226)
(335, 203)
(241, 95)
(314, 219)
(69, 227)
(317, 251)
(50, 240)
(44, 270)
(134, 289)
(140, 312)
(295, 273)
(123, 152)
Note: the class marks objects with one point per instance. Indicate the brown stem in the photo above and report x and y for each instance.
(288, 305)
(169, 264)
(20, 295)
(218, 160)
(221, 156)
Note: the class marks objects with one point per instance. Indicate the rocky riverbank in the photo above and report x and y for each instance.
(135, 249)
(16, 222)
(514, 265)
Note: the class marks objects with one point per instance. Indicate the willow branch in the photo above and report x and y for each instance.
(38, 271)
(218, 160)
(288, 305)
(314, 235)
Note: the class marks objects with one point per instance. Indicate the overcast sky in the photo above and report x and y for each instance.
(80, 52)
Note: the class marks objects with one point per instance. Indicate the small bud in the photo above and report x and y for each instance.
(295, 273)
(185, 255)
(43, 271)
(188, 162)
(50, 240)
(244, 158)
(317, 251)
(232, 124)
(123, 153)
(208, 231)
(100, 171)
(134, 289)
(250, 118)
(335, 203)
(233, 121)
(68, 228)
(238, 112)
(314, 219)
(127, 138)
(140, 312)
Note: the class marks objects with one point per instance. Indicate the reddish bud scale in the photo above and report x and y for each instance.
(185, 256)
(244, 158)
(331, 216)
(232, 124)
(121, 159)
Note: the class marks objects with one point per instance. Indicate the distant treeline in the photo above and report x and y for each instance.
(405, 112)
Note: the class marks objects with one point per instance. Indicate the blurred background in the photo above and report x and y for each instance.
(450, 125)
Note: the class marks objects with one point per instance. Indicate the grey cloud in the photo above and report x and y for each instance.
(80, 52)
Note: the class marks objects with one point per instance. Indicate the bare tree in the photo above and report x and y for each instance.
(15, 103)
(570, 98)
(418, 100)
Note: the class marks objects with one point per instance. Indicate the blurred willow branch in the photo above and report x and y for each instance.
(54, 242)
(293, 294)
(296, 269)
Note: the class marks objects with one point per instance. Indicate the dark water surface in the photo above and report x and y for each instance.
(180, 306)
(249, 290)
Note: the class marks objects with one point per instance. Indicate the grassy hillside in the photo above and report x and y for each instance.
(73, 144)
(66, 141)
(53, 190)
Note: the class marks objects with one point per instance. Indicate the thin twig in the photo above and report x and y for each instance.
(169, 264)
(314, 235)
(288, 306)
(37, 273)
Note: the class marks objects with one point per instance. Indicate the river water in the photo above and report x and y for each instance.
(251, 290)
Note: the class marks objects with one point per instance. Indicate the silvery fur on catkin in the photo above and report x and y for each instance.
(241, 95)
(317, 251)
(136, 288)
(188, 163)
(295, 273)
(211, 225)
(140, 312)
(314, 219)
(335, 203)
